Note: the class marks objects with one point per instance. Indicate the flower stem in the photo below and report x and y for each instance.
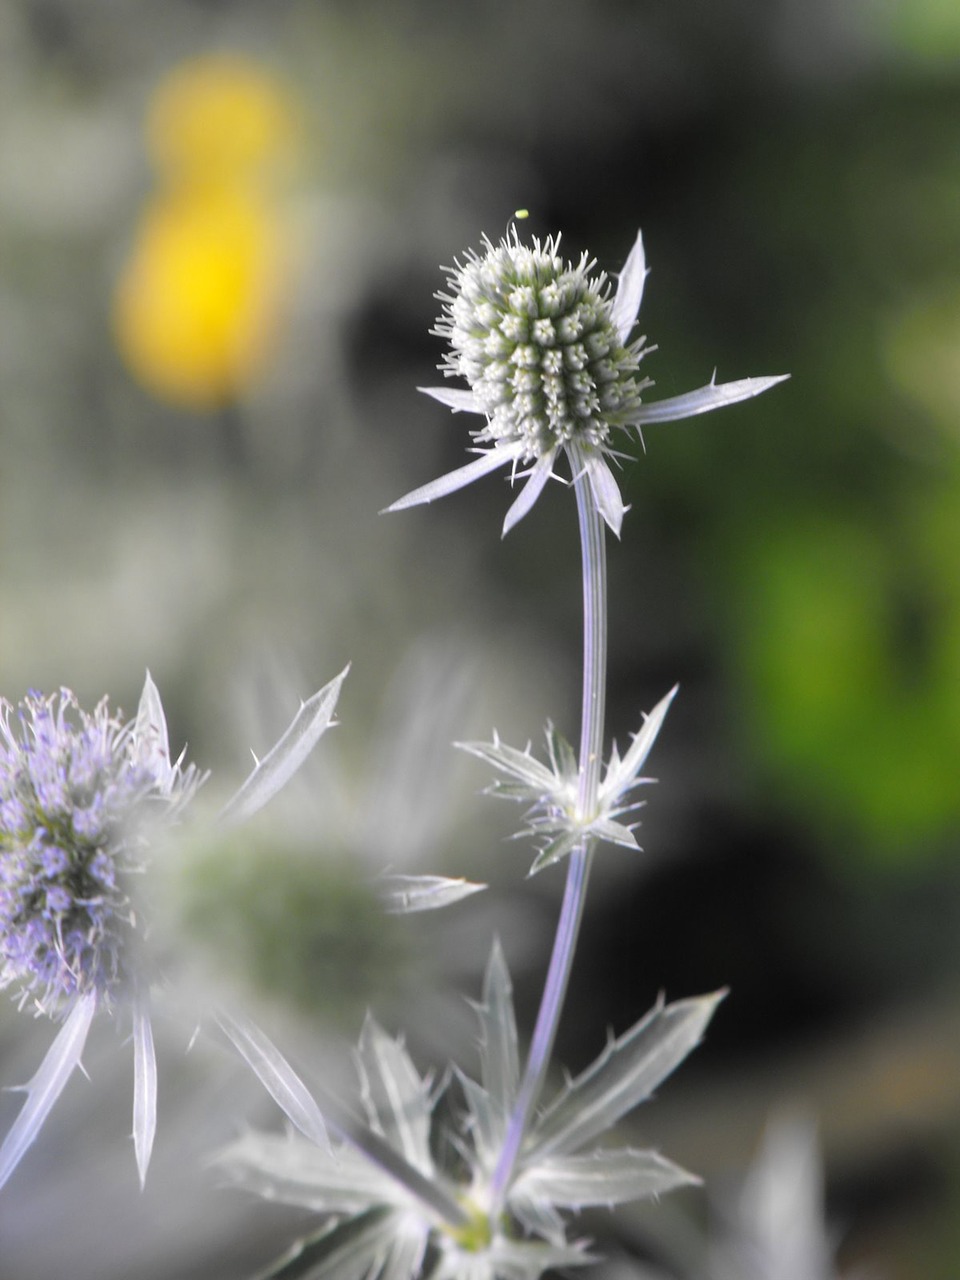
(593, 553)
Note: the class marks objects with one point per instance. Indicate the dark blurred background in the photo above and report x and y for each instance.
(221, 226)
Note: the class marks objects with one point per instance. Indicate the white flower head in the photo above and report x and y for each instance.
(545, 348)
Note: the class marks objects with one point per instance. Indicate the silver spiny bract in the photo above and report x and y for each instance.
(554, 818)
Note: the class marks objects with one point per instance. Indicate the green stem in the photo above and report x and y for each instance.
(593, 554)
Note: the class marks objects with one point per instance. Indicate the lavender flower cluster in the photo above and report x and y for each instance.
(79, 792)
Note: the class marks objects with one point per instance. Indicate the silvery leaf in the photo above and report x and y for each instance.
(511, 791)
(607, 498)
(715, 395)
(626, 1073)
(613, 833)
(626, 302)
(539, 475)
(535, 777)
(621, 775)
(528, 1259)
(277, 1076)
(603, 1178)
(292, 1095)
(48, 1083)
(777, 1226)
(537, 1216)
(405, 1258)
(460, 401)
(288, 1170)
(562, 755)
(352, 1250)
(150, 738)
(283, 760)
(396, 1099)
(489, 460)
(144, 1088)
(499, 1056)
(556, 849)
(486, 1122)
(405, 894)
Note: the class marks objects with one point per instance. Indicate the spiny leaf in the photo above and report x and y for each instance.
(518, 764)
(397, 1100)
(539, 475)
(626, 1073)
(562, 755)
(622, 775)
(283, 760)
(288, 1169)
(603, 1178)
(557, 849)
(500, 1063)
(289, 1091)
(150, 737)
(715, 395)
(277, 1076)
(144, 1088)
(351, 1250)
(489, 460)
(48, 1083)
(405, 894)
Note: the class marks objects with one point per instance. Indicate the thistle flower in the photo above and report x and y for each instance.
(545, 348)
(84, 798)
(78, 792)
(391, 1211)
(553, 792)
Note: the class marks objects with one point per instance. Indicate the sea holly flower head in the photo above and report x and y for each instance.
(546, 350)
(534, 337)
(80, 794)
(84, 798)
(552, 790)
(391, 1207)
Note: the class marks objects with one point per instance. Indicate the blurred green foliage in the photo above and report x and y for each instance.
(823, 527)
(296, 926)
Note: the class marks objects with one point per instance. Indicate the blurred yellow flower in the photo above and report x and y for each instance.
(200, 300)
(221, 119)
(198, 306)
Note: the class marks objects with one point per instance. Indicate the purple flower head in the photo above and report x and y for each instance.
(79, 792)
(81, 798)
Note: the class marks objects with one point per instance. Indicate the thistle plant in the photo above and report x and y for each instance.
(546, 349)
(86, 802)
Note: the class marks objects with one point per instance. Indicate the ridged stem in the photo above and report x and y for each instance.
(593, 555)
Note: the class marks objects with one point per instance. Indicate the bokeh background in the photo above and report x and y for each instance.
(221, 225)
